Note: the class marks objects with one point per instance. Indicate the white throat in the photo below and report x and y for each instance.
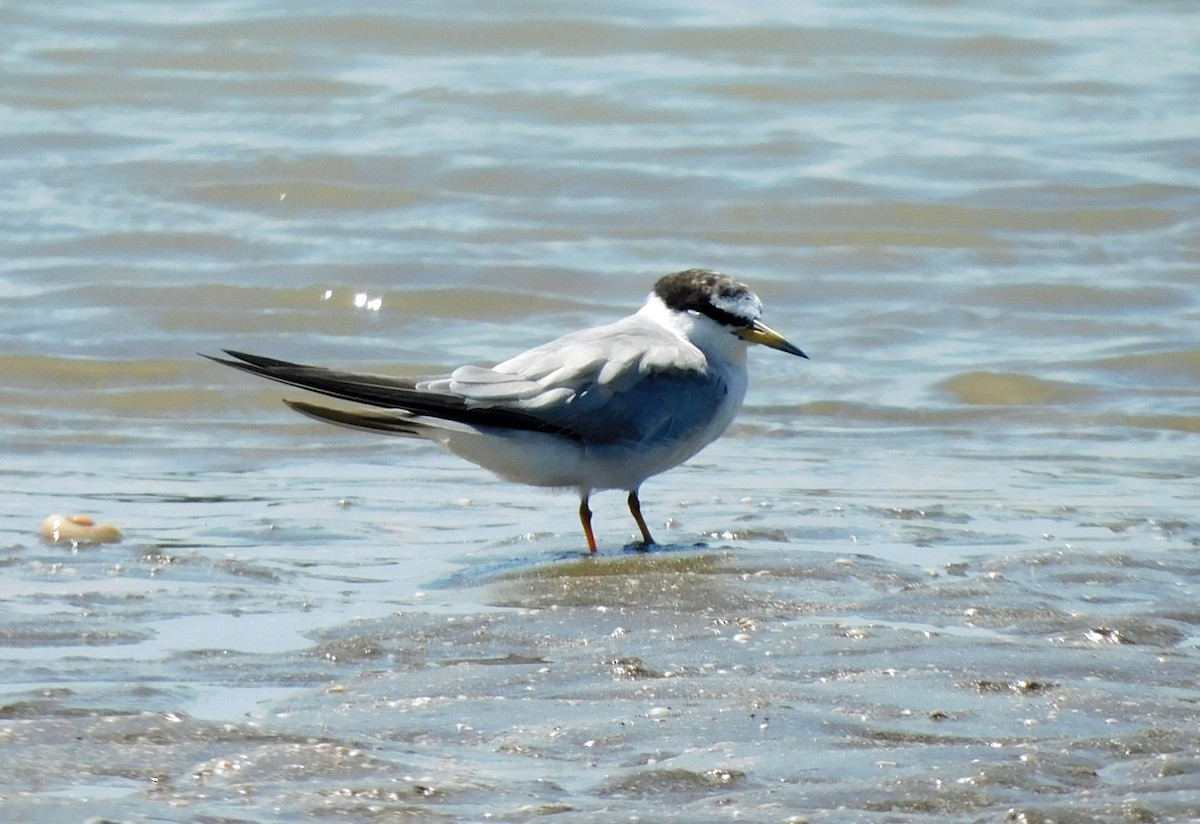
(715, 340)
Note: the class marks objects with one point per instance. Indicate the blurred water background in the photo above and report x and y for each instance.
(945, 571)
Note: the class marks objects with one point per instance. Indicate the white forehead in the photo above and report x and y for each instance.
(743, 303)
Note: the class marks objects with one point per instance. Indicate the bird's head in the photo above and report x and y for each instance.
(726, 302)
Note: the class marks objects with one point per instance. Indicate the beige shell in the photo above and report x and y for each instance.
(79, 529)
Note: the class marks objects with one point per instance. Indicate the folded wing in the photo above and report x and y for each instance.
(599, 386)
(387, 393)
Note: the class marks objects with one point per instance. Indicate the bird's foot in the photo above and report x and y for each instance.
(641, 546)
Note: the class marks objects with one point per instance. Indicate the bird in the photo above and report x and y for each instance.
(597, 409)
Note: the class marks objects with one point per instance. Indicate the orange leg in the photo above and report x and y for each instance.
(585, 517)
(635, 506)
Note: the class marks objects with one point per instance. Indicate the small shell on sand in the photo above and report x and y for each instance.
(79, 529)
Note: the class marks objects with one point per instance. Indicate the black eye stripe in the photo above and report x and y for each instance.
(721, 316)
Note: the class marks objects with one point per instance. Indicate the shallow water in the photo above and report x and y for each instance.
(945, 571)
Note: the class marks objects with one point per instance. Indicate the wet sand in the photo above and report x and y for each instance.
(945, 571)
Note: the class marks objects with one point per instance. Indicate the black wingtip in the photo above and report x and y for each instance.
(255, 360)
(256, 364)
(216, 359)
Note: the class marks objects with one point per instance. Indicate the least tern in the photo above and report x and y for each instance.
(601, 408)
